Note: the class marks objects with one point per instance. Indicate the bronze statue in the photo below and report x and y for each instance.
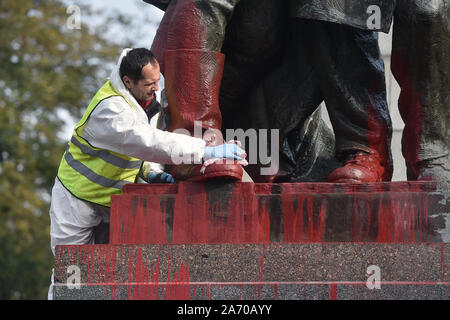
(421, 65)
(283, 58)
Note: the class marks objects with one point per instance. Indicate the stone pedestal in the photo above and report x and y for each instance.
(267, 241)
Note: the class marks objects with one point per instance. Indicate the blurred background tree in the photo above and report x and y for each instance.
(48, 72)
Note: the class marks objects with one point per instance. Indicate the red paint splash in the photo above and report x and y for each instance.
(391, 212)
(333, 291)
(188, 214)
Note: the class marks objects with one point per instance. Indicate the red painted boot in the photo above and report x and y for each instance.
(192, 79)
(360, 168)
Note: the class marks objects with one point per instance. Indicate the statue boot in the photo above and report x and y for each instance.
(361, 167)
(355, 96)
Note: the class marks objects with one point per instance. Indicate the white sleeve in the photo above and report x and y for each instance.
(152, 167)
(114, 126)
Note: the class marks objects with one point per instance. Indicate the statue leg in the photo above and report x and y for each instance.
(421, 65)
(188, 44)
(287, 99)
(262, 85)
(352, 77)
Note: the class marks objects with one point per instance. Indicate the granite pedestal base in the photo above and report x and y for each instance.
(266, 241)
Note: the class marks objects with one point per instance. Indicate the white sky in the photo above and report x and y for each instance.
(147, 17)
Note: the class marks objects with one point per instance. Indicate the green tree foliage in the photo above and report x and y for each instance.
(45, 67)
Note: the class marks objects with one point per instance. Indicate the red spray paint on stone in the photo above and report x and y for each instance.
(400, 216)
(143, 282)
(333, 291)
(144, 219)
(293, 218)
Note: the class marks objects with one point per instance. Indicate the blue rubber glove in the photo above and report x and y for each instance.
(161, 177)
(228, 151)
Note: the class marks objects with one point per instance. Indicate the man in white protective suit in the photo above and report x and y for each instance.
(116, 142)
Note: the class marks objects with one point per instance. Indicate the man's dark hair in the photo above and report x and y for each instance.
(134, 61)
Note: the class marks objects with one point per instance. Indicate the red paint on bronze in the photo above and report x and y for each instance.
(180, 27)
(379, 139)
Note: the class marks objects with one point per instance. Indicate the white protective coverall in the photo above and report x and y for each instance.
(114, 126)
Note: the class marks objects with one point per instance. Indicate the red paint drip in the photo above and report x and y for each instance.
(378, 134)
(333, 291)
(404, 218)
(293, 218)
(245, 216)
(179, 287)
(145, 218)
(197, 220)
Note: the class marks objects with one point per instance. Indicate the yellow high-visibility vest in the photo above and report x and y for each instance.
(94, 174)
